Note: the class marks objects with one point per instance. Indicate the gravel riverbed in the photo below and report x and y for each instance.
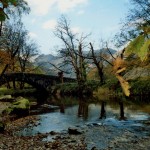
(94, 137)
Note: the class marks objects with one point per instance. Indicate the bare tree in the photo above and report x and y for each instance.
(103, 56)
(28, 50)
(72, 53)
(98, 61)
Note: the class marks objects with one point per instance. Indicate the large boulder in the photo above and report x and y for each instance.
(21, 107)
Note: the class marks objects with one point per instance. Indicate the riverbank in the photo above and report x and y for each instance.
(96, 136)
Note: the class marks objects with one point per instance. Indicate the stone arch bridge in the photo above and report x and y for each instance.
(39, 81)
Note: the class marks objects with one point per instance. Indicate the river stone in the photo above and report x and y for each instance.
(74, 130)
(53, 133)
(46, 106)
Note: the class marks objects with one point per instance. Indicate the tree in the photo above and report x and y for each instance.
(6, 8)
(100, 58)
(72, 53)
(28, 50)
(12, 40)
(135, 36)
(5, 4)
(12, 7)
(4, 58)
(14, 36)
(136, 29)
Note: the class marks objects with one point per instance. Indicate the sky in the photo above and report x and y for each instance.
(101, 18)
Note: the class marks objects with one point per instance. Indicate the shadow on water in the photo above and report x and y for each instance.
(41, 96)
(71, 111)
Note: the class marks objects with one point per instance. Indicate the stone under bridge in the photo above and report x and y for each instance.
(39, 81)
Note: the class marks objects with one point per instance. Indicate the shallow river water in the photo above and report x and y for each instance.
(73, 112)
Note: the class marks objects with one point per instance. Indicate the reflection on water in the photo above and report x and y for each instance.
(103, 111)
(122, 117)
(74, 112)
(83, 109)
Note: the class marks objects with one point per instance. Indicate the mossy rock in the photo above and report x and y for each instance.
(20, 107)
(21, 103)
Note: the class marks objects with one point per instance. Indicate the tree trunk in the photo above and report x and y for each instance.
(122, 117)
(101, 75)
(1, 26)
(103, 112)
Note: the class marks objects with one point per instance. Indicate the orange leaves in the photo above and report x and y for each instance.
(4, 57)
(124, 84)
(118, 64)
(118, 68)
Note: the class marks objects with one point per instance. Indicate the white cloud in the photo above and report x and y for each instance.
(81, 12)
(65, 5)
(113, 29)
(33, 21)
(51, 24)
(76, 30)
(42, 7)
(32, 35)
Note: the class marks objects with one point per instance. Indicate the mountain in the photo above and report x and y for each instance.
(45, 62)
(45, 58)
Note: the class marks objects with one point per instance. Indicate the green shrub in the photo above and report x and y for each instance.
(140, 87)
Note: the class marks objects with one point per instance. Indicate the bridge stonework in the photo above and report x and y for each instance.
(39, 81)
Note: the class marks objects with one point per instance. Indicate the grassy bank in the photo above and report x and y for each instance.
(17, 92)
(75, 89)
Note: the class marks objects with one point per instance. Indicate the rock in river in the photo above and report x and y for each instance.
(74, 130)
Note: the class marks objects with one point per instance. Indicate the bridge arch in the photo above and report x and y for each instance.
(39, 81)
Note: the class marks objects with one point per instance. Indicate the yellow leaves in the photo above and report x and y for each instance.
(140, 45)
(119, 67)
(135, 45)
(124, 84)
(144, 50)
(121, 70)
(118, 64)
(4, 57)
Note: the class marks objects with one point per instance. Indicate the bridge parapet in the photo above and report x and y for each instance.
(39, 81)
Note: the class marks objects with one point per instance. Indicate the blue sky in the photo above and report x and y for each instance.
(102, 18)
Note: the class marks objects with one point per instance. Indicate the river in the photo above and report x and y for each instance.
(77, 112)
